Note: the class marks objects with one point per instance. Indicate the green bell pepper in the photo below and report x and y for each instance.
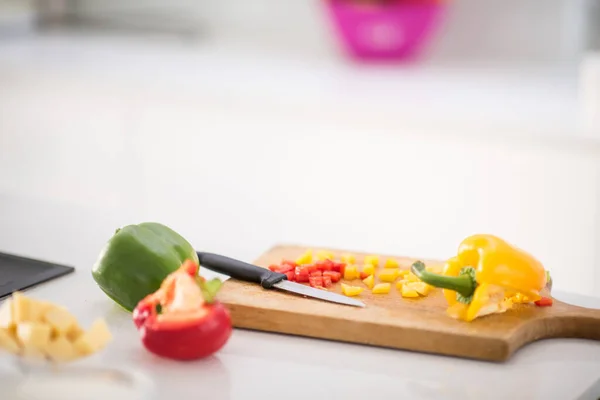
(136, 260)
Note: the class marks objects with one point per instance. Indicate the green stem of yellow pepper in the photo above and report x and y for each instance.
(464, 284)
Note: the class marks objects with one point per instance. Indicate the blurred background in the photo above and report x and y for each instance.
(396, 127)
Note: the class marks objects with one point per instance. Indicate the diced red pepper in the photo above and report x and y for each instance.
(544, 302)
(285, 268)
(274, 267)
(338, 267)
(316, 281)
(291, 275)
(326, 281)
(316, 273)
(334, 276)
(364, 275)
(291, 263)
(301, 275)
(325, 265)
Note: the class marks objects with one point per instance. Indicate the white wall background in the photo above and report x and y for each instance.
(239, 148)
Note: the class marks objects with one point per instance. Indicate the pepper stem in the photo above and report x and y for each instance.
(464, 284)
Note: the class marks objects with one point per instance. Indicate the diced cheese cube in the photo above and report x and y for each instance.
(7, 342)
(391, 263)
(20, 308)
(388, 275)
(408, 292)
(33, 334)
(369, 281)
(368, 269)
(381, 288)
(61, 350)
(374, 260)
(351, 272)
(60, 320)
(7, 319)
(33, 353)
(94, 339)
(348, 258)
(74, 332)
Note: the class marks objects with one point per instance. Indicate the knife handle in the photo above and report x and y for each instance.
(240, 270)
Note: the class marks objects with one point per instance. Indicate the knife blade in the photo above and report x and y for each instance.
(268, 279)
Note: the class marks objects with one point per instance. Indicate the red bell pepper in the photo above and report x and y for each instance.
(334, 276)
(544, 302)
(182, 320)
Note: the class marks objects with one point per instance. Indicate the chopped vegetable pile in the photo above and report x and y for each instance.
(41, 330)
(323, 269)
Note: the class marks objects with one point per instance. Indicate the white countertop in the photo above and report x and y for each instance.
(255, 365)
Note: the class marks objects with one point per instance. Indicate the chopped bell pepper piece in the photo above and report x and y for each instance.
(407, 291)
(350, 273)
(391, 263)
(305, 258)
(327, 283)
(544, 302)
(325, 255)
(373, 260)
(484, 270)
(351, 290)
(348, 258)
(369, 281)
(334, 276)
(388, 275)
(420, 287)
(363, 275)
(381, 288)
(368, 269)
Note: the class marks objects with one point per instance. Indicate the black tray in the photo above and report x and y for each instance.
(18, 273)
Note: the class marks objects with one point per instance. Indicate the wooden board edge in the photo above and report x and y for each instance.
(406, 339)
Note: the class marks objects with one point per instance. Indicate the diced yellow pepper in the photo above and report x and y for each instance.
(369, 281)
(351, 290)
(436, 269)
(368, 269)
(381, 288)
(403, 272)
(374, 260)
(348, 258)
(305, 258)
(325, 255)
(351, 272)
(391, 263)
(411, 277)
(388, 275)
(408, 292)
(420, 287)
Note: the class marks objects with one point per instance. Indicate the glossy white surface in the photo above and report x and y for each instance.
(259, 365)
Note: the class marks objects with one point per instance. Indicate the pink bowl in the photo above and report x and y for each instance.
(394, 30)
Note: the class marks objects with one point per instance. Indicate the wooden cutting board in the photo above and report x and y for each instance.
(396, 322)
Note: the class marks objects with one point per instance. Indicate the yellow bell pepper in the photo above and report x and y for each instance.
(369, 281)
(351, 290)
(369, 269)
(388, 275)
(325, 255)
(305, 258)
(348, 258)
(477, 279)
(351, 273)
(391, 263)
(374, 260)
(407, 291)
(381, 288)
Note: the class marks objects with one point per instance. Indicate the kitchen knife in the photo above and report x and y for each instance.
(267, 278)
